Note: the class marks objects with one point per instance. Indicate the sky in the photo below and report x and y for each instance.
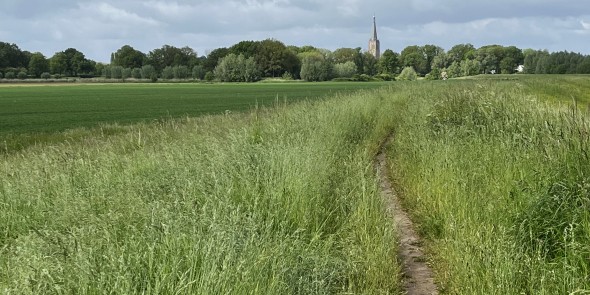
(99, 27)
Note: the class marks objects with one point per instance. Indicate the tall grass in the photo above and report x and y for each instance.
(499, 183)
(277, 201)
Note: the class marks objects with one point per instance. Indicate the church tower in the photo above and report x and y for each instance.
(374, 47)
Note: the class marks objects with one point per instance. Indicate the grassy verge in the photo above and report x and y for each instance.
(276, 201)
(498, 182)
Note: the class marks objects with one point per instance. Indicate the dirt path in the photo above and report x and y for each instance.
(417, 275)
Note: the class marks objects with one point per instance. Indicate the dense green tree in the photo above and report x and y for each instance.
(470, 67)
(170, 56)
(389, 62)
(59, 63)
(245, 48)
(128, 57)
(126, 73)
(148, 72)
(13, 57)
(315, 66)
(460, 52)
(38, 64)
(274, 58)
(370, 64)
(198, 72)
(237, 68)
(168, 73)
(343, 55)
(136, 73)
(345, 69)
(430, 52)
(180, 72)
(213, 58)
(413, 56)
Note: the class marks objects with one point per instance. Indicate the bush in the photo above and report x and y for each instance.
(1, 76)
(148, 72)
(198, 72)
(209, 76)
(385, 77)
(287, 76)
(45, 75)
(22, 75)
(57, 76)
(408, 74)
(126, 73)
(168, 73)
(10, 75)
(180, 72)
(136, 73)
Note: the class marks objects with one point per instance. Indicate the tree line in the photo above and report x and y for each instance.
(249, 61)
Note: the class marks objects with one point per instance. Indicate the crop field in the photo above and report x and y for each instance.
(30, 114)
(285, 200)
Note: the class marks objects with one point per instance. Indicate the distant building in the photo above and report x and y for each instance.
(374, 46)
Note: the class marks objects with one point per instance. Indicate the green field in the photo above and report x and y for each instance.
(285, 200)
(33, 114)
(50, 108)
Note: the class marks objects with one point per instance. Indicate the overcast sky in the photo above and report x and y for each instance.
(99, 27)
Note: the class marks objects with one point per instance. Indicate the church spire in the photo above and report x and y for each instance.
(374, 46)
(374, 28)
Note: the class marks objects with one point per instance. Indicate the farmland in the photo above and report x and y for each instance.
(284, 199)
(34, 114)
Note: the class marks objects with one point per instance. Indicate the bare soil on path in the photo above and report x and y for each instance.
(417, 277)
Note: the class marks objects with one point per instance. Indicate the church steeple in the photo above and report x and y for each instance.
(374, 28)
(374, 46)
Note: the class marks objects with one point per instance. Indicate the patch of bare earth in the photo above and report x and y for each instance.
(418, 277)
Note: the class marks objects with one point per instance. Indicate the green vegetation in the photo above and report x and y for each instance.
(284, 199)
(498, 181)
(275, 201)
(32, 114)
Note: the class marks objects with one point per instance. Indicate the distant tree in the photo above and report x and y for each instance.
(198, 72)
(454, 70)
(237, 68)
(470, 67)
(413, 56)
(13, 57)
(460, 52)
(126, 73)
(168, 73)
(274, 58)
(213, 58)
(389, 62)
(430, 52)
(180, 72)
(170, 56)
(440, 61)
(116, 72)
(59, 63)
(1, 76)
(10, 75)
(245, 48)
(345, 70)
(38, 64)
(136, 73)
(22, 75)
(45, 75)
(128, 57)
(343, 55)
(148, 72)
(370, 64)
(408, 74)
(315, 66)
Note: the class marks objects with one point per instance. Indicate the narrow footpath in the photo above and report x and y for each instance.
(417, 277)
